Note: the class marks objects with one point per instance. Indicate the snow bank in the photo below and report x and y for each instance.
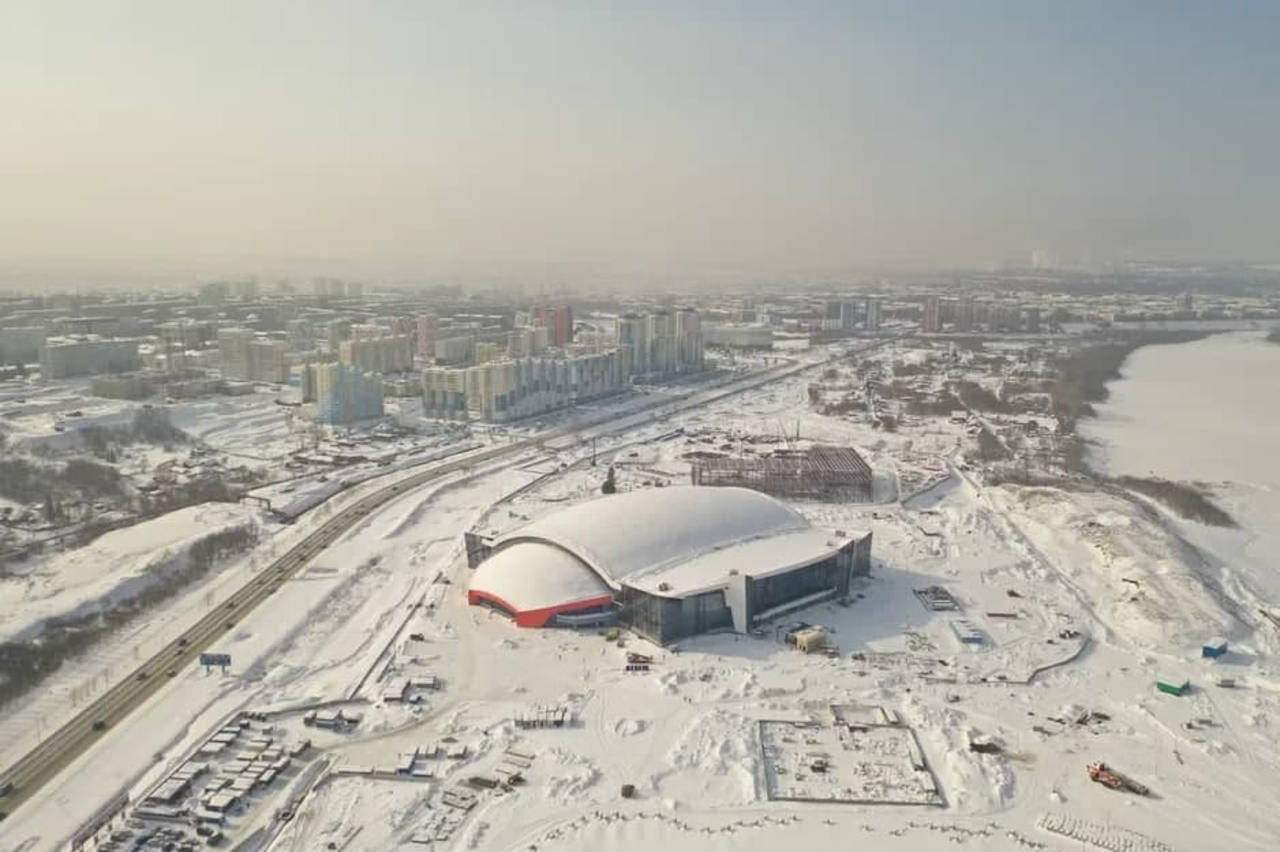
(1136, 577)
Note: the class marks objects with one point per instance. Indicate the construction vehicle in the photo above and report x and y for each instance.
(1106, 776)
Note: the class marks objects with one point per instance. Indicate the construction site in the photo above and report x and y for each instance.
(820, 472)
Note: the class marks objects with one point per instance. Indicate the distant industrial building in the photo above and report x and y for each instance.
(668, 563)
(64, 357)
(345, 394)
(820, 473)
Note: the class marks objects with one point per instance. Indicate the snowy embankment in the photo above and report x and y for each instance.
(115, 568)
(1137, 579)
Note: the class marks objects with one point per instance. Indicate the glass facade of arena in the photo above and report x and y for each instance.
(667, 619)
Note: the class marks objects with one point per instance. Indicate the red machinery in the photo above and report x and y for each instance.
(1106, 776)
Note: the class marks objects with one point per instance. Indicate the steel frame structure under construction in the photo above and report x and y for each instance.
(821, 472)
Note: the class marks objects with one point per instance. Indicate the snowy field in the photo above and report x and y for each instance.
(1083, 601)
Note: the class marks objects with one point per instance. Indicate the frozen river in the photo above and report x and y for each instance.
(1204, 412)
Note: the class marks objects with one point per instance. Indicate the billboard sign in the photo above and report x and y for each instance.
(223, 660)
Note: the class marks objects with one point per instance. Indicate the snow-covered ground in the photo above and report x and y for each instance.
(1205, 412)
(1066, 677)
(115, 567)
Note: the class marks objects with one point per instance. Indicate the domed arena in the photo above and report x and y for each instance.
(668, 562)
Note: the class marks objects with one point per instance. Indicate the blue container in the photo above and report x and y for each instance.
(1214, 648)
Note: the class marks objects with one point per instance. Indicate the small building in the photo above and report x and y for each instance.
(1214, 648)
(811, 640)
(395, 690)
(221, 802)
(1173, 686)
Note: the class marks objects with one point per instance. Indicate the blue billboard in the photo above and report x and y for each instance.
(223, 660)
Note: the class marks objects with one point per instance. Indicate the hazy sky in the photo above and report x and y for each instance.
(782, 134)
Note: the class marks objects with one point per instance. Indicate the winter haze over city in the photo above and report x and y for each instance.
(532, 426)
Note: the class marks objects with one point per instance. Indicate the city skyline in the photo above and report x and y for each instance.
(408, 139)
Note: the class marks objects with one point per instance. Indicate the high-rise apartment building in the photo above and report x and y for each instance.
(376, 349)
(873, 311)
(21, 345)
(1033, 320)
(519, 387)
(558, 321)
(931, 322)
(185, 334)
(247, 357)
(689, 344)
(964, 315)
(345, 394)
(662, 342)
(63, 358)
(408, 326)
(213, 293)
(633, 340)
(428, 326)
(302, 334)
(840, 314)
(661, 331)
(336, 332)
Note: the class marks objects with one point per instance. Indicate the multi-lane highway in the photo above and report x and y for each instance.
(25, 777)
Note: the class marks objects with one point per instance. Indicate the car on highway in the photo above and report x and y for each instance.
(6, 788)
(100, 725)
(184, 641)
(173, 673)
(140, 676)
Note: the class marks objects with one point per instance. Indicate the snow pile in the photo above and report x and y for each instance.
(975, 783)
(629, 727)
(568, 776)
(717, 759)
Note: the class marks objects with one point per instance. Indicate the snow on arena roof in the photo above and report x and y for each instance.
(633, 537)
(536, 576)
(757, 558)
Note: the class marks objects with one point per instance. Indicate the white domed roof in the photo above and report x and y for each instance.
(534, 576)
(624, 536)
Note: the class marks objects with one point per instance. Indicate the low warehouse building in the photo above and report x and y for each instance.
(669, 562)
